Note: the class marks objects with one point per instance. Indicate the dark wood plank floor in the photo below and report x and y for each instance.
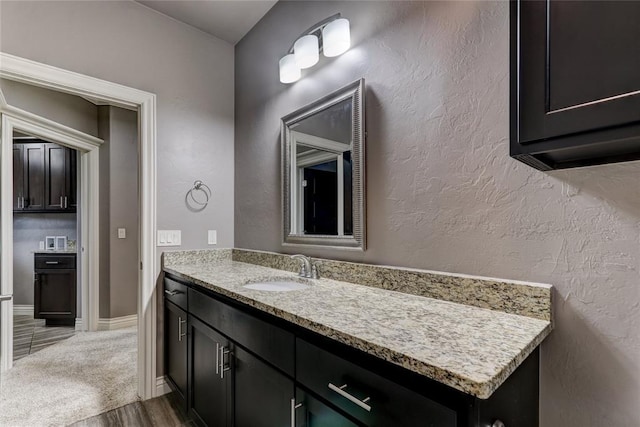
(31, 335)
(162, 411)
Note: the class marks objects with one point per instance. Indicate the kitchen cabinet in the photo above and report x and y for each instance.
(247, 368)
(575, 82)
(55, 288)
(44, 177)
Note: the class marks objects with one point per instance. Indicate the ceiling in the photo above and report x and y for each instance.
(228, 20)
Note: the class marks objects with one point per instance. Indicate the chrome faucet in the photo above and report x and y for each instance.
(307, 268)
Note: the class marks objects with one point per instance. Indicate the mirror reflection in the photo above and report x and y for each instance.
(323, 195)
(322, 169)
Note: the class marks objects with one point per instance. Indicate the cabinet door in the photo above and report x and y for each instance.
(175, 358)
(34, 177)
(210, 399)
(18, 176)
(575, 69)
(262, 394)
(55, 294)
(57, 169)
(310, 412)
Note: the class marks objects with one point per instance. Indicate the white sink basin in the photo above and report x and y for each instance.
(277, 286)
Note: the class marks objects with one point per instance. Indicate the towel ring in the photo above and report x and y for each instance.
(200, 187)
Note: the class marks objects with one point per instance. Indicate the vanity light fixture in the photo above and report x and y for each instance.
(331, 36)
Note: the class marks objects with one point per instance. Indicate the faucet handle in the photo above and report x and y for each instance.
(314, 271)
(303, 270)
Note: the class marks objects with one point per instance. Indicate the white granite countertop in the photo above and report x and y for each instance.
(54, 252)
(468, 348)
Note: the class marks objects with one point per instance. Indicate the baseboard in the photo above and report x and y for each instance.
(22, 310)
(113, 323)
(162, 387)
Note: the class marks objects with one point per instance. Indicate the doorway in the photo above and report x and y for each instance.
(107, 93)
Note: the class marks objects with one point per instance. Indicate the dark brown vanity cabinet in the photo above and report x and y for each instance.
(44, 177)
(55, 288)
(247, 368)
(575, 82)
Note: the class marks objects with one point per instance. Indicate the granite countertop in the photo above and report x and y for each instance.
(468, 348)
(50, 252)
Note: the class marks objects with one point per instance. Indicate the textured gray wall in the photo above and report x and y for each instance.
(119, 209)
(68, 110)
(190, 71)
(443, 193)
(28, 230)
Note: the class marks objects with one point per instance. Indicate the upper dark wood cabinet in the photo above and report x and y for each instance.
(44, 177)
(575, 82)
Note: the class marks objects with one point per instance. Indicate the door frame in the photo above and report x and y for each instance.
(103, 92)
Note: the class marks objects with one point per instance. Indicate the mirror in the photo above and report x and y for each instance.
(323, 171)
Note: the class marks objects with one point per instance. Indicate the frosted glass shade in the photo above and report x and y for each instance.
(289, 70)
(306, 51)
(336, 37)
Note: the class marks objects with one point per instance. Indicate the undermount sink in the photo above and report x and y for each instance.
(277, 286)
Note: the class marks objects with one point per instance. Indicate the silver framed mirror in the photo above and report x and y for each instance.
(323, 171)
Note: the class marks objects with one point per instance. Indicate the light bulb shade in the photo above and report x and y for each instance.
(336, 37)
(289, 70)
(306, 51)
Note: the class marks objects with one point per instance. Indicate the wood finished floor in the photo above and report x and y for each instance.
(31, 335)
(162, 411)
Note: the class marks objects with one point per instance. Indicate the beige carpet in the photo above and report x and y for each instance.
(85, 375)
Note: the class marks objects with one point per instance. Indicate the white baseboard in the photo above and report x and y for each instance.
(113, 323)
(117, 322)
(22, 310)
(162, 387)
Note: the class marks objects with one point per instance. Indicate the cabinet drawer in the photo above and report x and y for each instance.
(175, 292)
(269, 342)
(366, 396)
(57, 261)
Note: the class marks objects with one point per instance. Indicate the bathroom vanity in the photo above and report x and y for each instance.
(343, 354)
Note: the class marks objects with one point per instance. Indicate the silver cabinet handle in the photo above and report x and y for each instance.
(180, 333)
(5, 297)
(172, 293)
(65, 202)
(52, 262)
(223, 368)
(293, 411)
(61, 204)
(217, 359)
(361, 403)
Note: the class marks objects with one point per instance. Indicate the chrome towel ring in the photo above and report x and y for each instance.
(202, 200)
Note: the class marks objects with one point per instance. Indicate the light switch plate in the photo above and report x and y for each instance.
(169, 238)
(122, 233)
(212, 237)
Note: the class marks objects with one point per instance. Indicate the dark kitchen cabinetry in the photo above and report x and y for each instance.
(247, 368)
(44, 177)
(55, 288)
(575, 82)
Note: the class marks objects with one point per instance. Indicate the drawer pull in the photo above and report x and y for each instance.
(180, 333)
(293, 411)
(223, 368)
(361, 403)
(172, 293)
(52, 262)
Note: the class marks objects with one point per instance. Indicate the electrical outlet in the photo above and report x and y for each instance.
(212, 237)
(122, 233)
(169, 238)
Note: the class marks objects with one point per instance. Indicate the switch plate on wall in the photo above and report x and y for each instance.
(212, 237)
(169, 238)
(122, 233)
